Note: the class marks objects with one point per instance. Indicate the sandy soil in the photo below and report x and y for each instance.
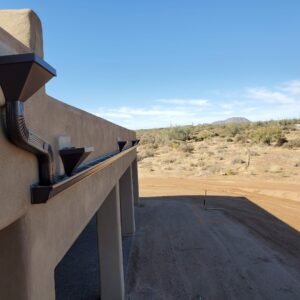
(231, 250)
(245, 246)
(279, 198)
(215, 159)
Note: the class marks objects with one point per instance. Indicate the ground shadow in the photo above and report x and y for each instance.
(230, 249)
(261, 222)
(179, 232)
(77, 276)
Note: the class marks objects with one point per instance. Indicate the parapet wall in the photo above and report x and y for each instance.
(25, 28)
(21, 32)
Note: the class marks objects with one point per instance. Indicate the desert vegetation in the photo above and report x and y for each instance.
(269, 149)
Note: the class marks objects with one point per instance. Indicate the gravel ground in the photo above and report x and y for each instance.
(232, 250)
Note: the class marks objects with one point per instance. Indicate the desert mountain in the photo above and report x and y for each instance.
(232, 120)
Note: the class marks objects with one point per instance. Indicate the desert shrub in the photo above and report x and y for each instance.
(209, 153)
(147, 139)
(180, 133)
(174, 144)
(162, 137)
(201, 163)
(232, 130)
(186, 148)
(149, 153)
(197, 138)
(267, 135)
(169, 160)
(230, 172)
(213, 169)
(167, 135)
(203, 135)
(214, 134)
(193, 165)
(168, 168)
(254, 153)
(289, 122)
(292, 144)
(145, 154)
(155, 146)
(269, 132)
(238, 161)
(242, 138)
(281, 140)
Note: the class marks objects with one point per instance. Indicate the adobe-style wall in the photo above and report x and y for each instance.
(34, 238)
(47, 117)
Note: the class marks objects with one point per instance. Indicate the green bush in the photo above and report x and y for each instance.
(203, 135)
(267, 135)
(180, 133)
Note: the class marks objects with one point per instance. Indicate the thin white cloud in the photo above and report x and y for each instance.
(256, 103)
(227, 112)
(229, 105)
(163, 116)
(291, 87)
(142, 112)
(192, 102)
(115, 114)
(269, 96)
(147, 117)
(280, 102)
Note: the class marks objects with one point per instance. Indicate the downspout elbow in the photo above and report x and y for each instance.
(21, 136)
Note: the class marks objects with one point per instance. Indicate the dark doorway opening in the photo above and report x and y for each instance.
(77, 276)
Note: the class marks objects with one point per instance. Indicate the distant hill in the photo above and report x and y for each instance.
(232, 120)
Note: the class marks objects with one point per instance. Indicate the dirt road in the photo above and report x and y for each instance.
(281, 199)
(232, 250)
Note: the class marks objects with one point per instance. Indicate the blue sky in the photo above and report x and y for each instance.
(154, 63)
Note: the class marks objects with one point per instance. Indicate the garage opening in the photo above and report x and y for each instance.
(77, 276)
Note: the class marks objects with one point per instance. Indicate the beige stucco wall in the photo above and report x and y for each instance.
(20, 32)
(25, 26)
(34, 238)
(40, 239)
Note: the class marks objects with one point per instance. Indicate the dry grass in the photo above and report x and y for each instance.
(269, 149)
